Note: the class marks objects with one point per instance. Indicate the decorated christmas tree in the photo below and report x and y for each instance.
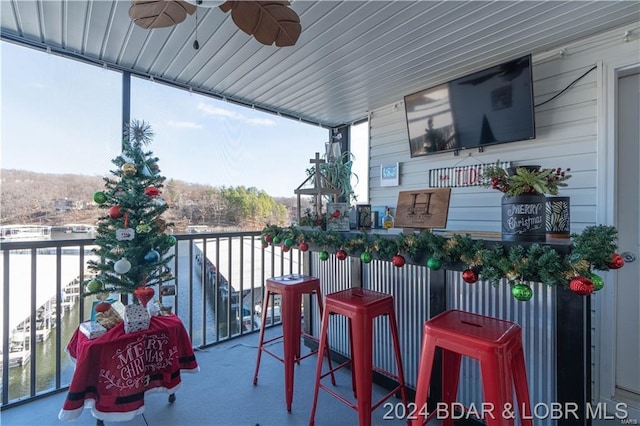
(133, 248)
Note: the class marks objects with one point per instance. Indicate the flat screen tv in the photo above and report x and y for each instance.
(487, 107)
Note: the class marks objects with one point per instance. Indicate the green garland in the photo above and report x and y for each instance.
(591, 250)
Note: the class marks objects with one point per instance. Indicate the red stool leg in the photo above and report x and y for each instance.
(291, 340)
(353, 369)
(522, 388)
(322, 347)
(424, 377)
(265, 304)
(362, 364)
(450, 380)
(326, 351)
(396, 347)
(495, 391)
(505, 359)
(297, 326)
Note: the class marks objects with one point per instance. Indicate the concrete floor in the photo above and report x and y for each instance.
(222, 393)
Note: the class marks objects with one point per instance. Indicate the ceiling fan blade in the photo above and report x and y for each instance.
(268, 21)
(159, 13)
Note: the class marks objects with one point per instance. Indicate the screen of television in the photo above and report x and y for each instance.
(487, 107)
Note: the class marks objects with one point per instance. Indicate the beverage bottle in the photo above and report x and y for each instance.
(387, 220)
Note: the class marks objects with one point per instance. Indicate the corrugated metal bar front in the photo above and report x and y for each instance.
(409, 286)
(334, 275)
(537, 319)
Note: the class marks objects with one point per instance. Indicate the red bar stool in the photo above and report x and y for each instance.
(360, 306)
(290, 288)
(496, 344)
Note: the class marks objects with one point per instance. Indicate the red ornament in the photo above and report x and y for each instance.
(398, 261)
(265, 245)
(151, 191)
(470, 276)
(336, 214)
(341, 254)
(303, 246)
(102, 307)
(267, 238)
(582, 286)
(143, 294)
(115, 212)
(616, 262)
(285, 248)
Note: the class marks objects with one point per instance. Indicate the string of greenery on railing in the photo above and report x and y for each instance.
(594, 249)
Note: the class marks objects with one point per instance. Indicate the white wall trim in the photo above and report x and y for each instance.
(605, 356)
(632, 413)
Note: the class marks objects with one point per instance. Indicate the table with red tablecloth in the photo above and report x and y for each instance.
(115, 371)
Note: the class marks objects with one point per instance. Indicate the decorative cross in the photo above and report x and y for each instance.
(316, 166)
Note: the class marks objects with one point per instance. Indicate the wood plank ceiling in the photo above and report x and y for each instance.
(352, 56)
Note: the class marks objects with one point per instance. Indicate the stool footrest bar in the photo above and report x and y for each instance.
(273, 339)
(338, 396)
(336, 368)
(278, 357)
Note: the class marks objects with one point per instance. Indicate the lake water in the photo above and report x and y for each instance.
(198, 317)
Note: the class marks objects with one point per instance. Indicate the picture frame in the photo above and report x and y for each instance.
(363, 216)
(338, 217)
(390, 174)
(377, 213)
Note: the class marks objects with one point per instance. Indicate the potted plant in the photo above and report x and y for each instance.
(328, 181)
(519, 180)
(338, 172)
(524, 200)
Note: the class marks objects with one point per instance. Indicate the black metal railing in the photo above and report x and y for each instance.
(217, 292)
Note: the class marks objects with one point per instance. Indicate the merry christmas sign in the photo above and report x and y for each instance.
(114, 371)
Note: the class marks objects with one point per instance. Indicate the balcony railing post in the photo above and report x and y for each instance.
(51, 256)
(32, 331)
(307, 311)
(58, 350)
(206, 283)
(5, 325)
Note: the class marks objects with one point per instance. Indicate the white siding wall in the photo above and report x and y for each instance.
(566, 136)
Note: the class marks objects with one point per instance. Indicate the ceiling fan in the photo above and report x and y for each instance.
(268, 21)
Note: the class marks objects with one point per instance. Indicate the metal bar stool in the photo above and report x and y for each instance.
(290, 288)
(360, 306)
(496, 344)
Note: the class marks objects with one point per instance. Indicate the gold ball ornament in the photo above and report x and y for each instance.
(117, 250)
(128, 169)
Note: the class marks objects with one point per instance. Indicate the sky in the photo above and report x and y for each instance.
(61, 116)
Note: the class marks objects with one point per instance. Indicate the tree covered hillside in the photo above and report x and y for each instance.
(58, 199)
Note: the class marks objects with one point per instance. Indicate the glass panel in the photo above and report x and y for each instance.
(60, 130)
(359, 139)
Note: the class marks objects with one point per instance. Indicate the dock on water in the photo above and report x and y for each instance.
(20, 299)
